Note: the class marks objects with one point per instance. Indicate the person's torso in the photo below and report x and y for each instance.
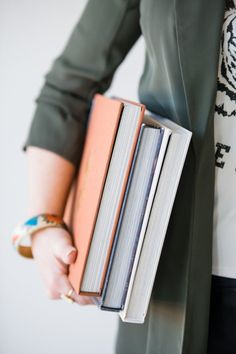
(224, 234)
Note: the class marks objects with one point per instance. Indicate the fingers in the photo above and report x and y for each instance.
(81, 300)
(64, 250)
(61, 285)
(54, 252)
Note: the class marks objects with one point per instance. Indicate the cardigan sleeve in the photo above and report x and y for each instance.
(104, 34)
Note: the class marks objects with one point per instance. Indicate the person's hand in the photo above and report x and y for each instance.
(53, 252)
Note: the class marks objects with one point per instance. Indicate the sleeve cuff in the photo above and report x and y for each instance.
(58, 131)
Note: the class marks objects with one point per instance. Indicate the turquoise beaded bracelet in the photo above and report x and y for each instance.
(22, 232)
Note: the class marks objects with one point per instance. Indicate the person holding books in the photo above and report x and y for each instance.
(179, 81)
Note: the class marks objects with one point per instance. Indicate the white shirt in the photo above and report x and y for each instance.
(224, 230)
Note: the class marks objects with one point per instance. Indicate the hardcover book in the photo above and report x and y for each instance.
(120, 203)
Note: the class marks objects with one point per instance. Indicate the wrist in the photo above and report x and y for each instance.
(21, 236)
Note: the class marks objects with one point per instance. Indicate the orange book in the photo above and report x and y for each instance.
(86, 192)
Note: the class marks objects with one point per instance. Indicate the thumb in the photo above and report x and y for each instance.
(69, 255)
(64, 250)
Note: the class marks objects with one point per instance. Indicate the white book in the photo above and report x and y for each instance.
(150, 246)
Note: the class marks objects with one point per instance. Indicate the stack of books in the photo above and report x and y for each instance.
(121, 201)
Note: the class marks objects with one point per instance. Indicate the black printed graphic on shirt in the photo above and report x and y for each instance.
(226, 83)
(221, 149)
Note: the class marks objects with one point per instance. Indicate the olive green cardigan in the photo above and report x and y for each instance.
(179, 81)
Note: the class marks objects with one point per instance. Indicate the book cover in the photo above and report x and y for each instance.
(84, 199)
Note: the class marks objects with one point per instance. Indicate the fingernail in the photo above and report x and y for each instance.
(70, 252)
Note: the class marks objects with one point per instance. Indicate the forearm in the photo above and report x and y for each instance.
(49, 181)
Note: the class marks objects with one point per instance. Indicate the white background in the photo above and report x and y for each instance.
(32, 34)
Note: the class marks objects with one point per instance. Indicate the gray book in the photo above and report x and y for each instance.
(135, 211)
